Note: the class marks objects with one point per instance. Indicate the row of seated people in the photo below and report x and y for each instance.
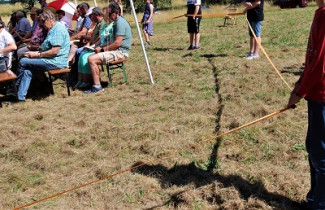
(51, 46)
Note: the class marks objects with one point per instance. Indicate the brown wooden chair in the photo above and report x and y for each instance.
(6, 77)
(229, 17)
(55, 74)
(115, 65)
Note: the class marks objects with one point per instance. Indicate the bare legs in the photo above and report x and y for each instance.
(195, 40)
(254, 46)
(94, 61)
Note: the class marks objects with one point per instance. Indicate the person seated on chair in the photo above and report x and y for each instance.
(34, 16)
(7, 44)
(63, 19)
(52, 55)
(34, 42)
(118, 49)
(86, 24)
(22, 27)
(81, 59)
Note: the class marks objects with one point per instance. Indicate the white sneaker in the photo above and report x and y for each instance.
(256, 56)
(249, 56)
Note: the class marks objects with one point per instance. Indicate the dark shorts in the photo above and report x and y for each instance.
(256, 26)
(193, 25)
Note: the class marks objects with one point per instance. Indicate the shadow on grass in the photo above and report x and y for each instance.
(163, 49)
(213, 56)
(182, 175)
(295, 70)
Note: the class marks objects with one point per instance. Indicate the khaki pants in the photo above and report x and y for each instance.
(108, 56)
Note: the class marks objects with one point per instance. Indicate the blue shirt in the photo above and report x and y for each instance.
(57, 36)
(23, 25)
(86, 22)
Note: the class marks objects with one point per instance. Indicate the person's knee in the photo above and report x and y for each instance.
(27, 73)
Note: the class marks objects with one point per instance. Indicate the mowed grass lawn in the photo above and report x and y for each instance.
(58, 142)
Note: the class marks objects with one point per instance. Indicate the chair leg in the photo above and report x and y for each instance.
(109, 75)
(67, 83)
(51, 85)
(124, 73)
(225, 22)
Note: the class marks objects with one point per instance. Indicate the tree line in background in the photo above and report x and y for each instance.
(139, 5)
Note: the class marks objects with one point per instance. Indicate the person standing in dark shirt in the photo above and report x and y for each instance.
(255, 16)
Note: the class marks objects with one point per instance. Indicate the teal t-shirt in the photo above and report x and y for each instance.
(122, 28)
(57, 36)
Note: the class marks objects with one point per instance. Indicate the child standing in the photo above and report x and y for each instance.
(147, 21)
(193, 23)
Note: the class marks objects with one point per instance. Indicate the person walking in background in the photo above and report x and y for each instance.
(147, 21)
(311, 86)
(193, 23)
(255, 16)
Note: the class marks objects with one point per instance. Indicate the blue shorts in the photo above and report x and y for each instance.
(256, 26)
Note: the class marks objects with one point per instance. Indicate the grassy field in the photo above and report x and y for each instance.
(57, 142)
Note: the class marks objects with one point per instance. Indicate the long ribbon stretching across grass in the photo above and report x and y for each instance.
(192, 146)
(250, 27)
(208, 15)
(260, 45)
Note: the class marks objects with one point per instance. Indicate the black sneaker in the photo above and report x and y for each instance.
(11, 91)
(190, 47)
(94, 90)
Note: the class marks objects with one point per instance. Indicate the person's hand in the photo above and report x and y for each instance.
(23, 40)
(294, 98)
(97, 49)
(248, 5)
(32, 54)
(148, 22)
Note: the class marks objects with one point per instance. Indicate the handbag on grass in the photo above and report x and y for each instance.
(3, 64)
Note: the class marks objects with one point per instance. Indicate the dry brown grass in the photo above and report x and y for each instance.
(60, 142)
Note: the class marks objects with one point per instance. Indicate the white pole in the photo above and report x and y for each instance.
(95, 3)
(75, 2)
(141, 41)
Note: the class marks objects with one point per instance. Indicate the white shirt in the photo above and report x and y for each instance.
(195, 2)
(5, 39)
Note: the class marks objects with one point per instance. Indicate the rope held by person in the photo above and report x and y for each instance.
(192, 146)
(277, 71)
(208, 15)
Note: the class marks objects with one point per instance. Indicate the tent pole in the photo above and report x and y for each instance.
(75, 2)
(141, 41)
(95, 3)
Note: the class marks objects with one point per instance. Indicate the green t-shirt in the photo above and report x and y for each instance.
(122, 28)
(97, 30)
